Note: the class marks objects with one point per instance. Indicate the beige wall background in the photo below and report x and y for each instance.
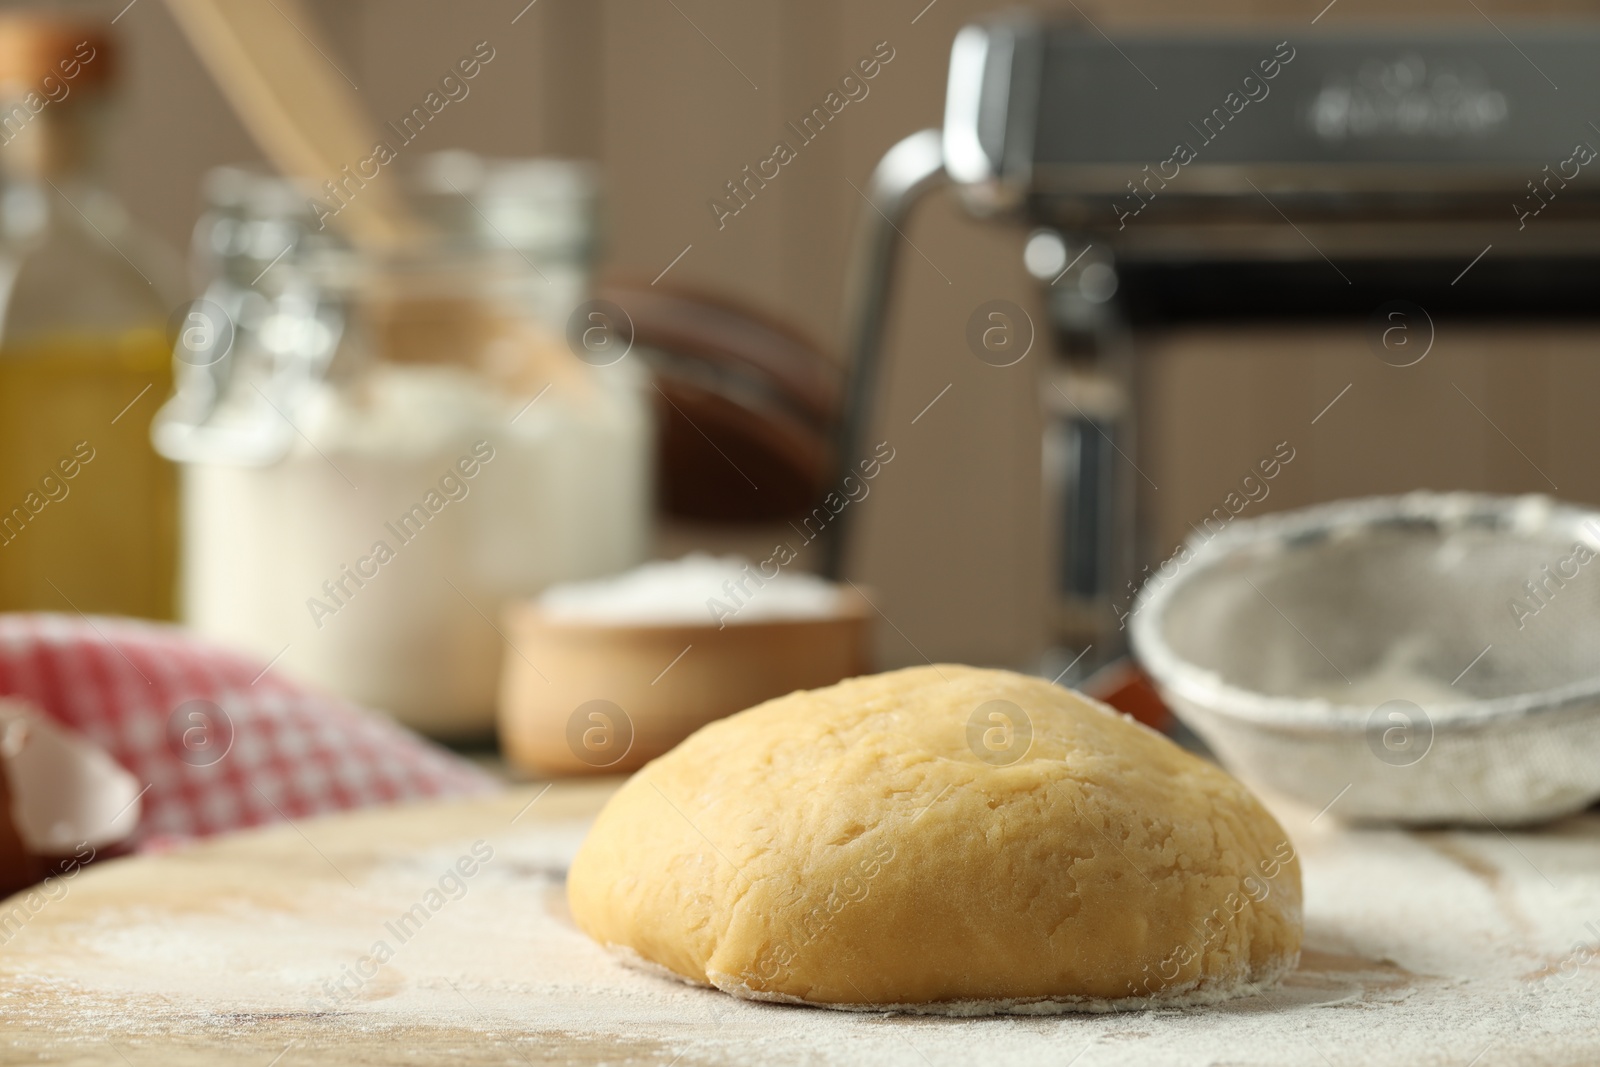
(675, 97)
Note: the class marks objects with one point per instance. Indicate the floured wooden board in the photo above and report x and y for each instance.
(1423, 948)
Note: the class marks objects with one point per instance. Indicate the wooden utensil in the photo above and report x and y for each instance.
(280, 78)
(266, 57)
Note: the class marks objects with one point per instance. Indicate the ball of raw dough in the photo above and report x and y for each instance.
(942, 839)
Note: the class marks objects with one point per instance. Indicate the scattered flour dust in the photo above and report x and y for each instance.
(1420, 948)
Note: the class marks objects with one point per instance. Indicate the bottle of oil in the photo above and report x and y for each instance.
(87, 508)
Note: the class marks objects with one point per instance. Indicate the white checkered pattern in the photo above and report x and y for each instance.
(296, 752)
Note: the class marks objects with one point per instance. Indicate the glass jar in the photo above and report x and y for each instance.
(381, 448)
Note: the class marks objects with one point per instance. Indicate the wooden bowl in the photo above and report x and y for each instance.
(588, 697)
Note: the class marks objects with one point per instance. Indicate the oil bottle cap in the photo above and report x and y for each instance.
(41, 52)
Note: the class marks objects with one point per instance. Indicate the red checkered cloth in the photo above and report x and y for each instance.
(150, 696)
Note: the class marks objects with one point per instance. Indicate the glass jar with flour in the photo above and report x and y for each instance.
(380, 448)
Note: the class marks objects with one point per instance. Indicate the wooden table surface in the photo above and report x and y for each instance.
(1446, 947)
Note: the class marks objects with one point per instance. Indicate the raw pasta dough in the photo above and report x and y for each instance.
(942, 839)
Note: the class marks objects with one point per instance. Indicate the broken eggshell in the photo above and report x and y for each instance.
(65, 790)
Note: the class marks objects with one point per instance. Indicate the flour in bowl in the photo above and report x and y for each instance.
(698, 588)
